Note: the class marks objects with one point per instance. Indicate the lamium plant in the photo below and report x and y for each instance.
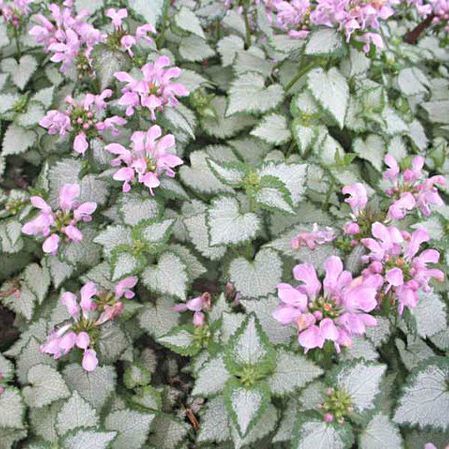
(224, 224)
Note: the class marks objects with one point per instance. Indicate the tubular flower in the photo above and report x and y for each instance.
(334, 310)
(83, 119)
(198, 306)
(438, 9)
(120, 37)
(89, 311)
(67, 37)
(293, 17)
(358, 19)
(395, 255)
(61, 223)
(148, 159)
(411, 189)
(363, 215)
(314, 238)
(155, 90)
(13, 12)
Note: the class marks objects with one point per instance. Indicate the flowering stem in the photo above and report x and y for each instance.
(247, 28)
(412, 36)
(301, 73)
(16, 38)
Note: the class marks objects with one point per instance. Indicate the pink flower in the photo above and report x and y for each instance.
(386, 241)
(71, 303)
(52, 345)
(127, 43)
(421, 8)
(148, 159)
(315, 237)
(292, 16)
(405, 272)
(110, 312)
(155, 91)
(398, 210)
(85, 305)
(82, 340)
(83, 120)
(360, 20)
(14, 12)
(438, 8)
(90, 360)
(411, 189)
(68, 37)
(60, 223)
(117, 16)
(357, 197)
(351, 228)
(393, 168)
(334, 310)
(197, 305)
(143, 32)
(89, 309)
(87, 292)
(123, 288)
(56, 122)
(62, 341)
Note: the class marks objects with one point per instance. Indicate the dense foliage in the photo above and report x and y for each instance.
(223, 224)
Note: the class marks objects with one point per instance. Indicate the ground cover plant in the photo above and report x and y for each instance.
(224, 224)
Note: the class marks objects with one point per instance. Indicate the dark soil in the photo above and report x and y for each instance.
(8, 333)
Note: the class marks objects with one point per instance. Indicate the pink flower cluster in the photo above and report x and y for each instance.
(155, 90)
(411, 189)
(83, 119)
(293, 16)
(68, 37)
(353, 17)
(394, 254)
(198, 306)
(313, 238)
(334, 310)
(438, 9)
(14, 11)
(147, 160)
(126, 40)
(84, 311)
(62, 222)
(396, 268)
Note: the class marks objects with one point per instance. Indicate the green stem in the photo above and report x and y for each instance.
(252, 204)
(247, 28)
(301, 73)
(329, 192)
(290, 148)
(16, 38)
(161, 38)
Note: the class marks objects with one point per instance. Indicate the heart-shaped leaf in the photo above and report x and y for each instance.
(330, 89)
(227, 225)
(168, 277)
(47, 386)
(245, 405)
(259, 277)
(21, 71)
(76, 413)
